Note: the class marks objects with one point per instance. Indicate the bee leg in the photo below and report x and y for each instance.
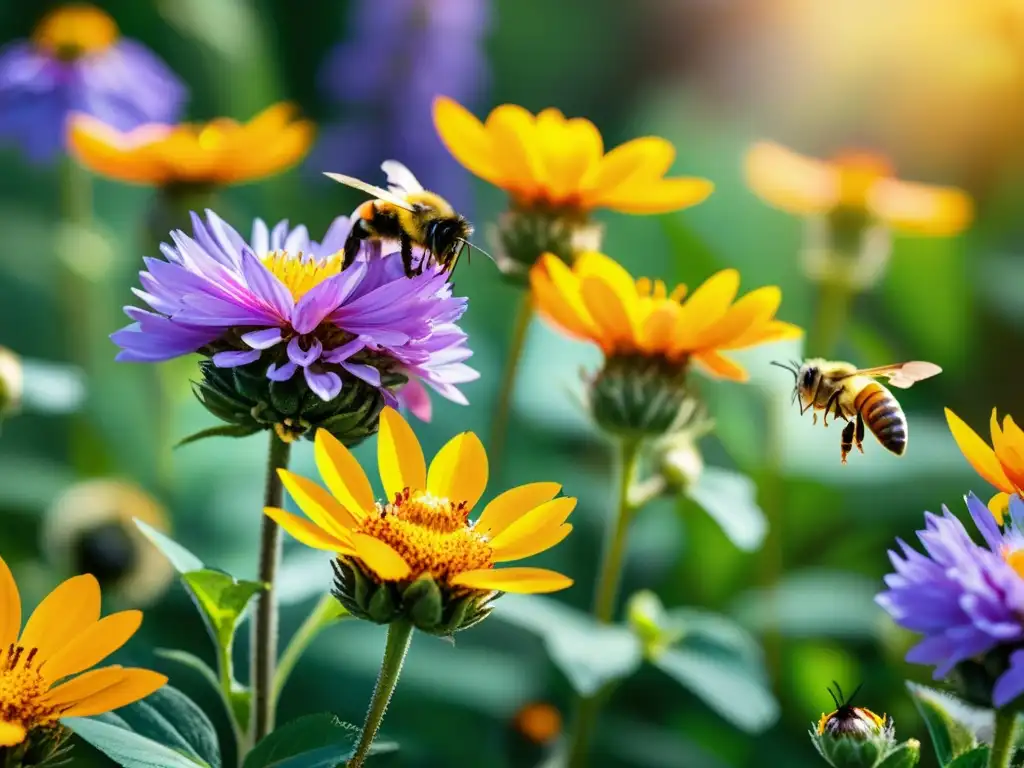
(847, 442)
(859, 436)
(355, 238)
(834, 399)
(406, 244)
(814, 418)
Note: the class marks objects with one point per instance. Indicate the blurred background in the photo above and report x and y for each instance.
(936, 85)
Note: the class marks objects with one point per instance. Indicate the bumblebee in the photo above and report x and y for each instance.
(410, 214)
(848, 720)
(853, 395)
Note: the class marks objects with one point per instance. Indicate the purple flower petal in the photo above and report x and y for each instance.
(1011, 684)
(304, 357)
(367, 373)
(326, 384)
(283, 373)
(325, 298)
(263, 339)
(233, 358)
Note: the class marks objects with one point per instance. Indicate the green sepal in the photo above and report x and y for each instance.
(905, 755)
(636, 396)
(525, 234)
(423, 601)
(43, 748)
(381, 607)
(225, 430)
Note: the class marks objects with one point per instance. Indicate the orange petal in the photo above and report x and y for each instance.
(318, 505)
(614, 318)
(380, 558)
(512, 504)
(135, 684)
(524, 581)
(567, 286)
(459, 470)
(553, 307)
(752, 310)
(776, 330)
(705, 307)
(789, 181)
(11, 734)
(1009, 448)
(62, 615)
(533, 545)
(569, 150)
(399, 455)
(93, 645)
(110, 153)
(977, 452)
(466, 139)
(550, 514)
(656, 196)
(721, 366)
(309, 534)
(85, 685)
(512, 130)
(647, 157)
(657, 329)
(10, 606)
(343, 475)
(921, 209)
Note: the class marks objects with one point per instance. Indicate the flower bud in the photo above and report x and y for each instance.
(854, 737)
(522, 235)
(651, 624)
(679, 459)
(46, 747)
(639, 396)
(12, 382)
(846, 248)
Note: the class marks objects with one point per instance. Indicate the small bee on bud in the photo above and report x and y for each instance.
(856, 737)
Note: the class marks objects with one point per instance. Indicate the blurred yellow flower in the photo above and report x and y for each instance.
(63, 637)
(218, 153)
(598, 301)
(539, 722)
(548, 161)
(859, 182)
(1002, 464)
(422, 529)
(73, 30)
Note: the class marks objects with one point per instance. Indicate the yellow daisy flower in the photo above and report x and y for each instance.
(75, 30)
(1002, 464)
(416, 553)
(860, 182)
(42, 670)
(218, 153)
(551, 162)
(596, 300)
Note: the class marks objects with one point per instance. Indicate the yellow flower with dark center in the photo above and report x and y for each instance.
(42, 670)
(855, 182)
(1002, 464)
(550, 162)
(417, 553)
(597, 300)
(75, 30)
(218, 153)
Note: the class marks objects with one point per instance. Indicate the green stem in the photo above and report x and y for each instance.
(609, 576)
(772, 499)
(835, 300)
(399, 637)
(1003, 738)
(318, 618)
(264, 627)
(224, 676)
(502, 411)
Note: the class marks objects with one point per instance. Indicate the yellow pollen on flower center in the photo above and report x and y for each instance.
(299, 273)
(74, 31)
(432, 534)
(22, 688)
(1015, 559)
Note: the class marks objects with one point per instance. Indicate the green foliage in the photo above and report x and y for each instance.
(950, 738)
(312, 741)
(730, 499)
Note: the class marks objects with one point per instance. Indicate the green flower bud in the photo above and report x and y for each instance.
(246, 399)
(639, 396)
(42, 748)
(524, 234)
(12, 382)
(647, 618)
(854, 737)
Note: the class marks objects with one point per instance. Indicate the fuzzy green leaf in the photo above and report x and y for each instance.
(976, 758)
(312, 741)
(729, 498)
(949, 737)
(182, 560)
(127, 748)
(240, 700)
(906, 755)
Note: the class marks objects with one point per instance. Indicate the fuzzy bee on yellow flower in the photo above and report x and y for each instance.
(852, 394)
(410, 214)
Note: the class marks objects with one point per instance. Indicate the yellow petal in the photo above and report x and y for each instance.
(110, 153)
(399, 455)
(93, 645)
(647, 157)
(135, 684)
(567, 286)
(921, 209)
(658, 327)
(380, 558)
(977, 452)
(62, 615)
(705, 307)
(512, 504)
(11, 734)
(512, 130)
(569, 149)
(533, 545)
(467, 141)
(999, 505)
(526, 581)
(789, 181)
(307, 533)
(596, 264)
(343, 475)
(721, 366)
(613, 317)
(550, 514)
(85, 685)
(553, 307)
(10, 606)
(659, 196)
(1011, 453)
(754, 309)
(459, 470)
(318, 505)
(776, 330)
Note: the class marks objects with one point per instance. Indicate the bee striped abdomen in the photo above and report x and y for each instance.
(883, 416)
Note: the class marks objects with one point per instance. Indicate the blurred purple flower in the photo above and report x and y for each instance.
(401, 54)
(966, 599)
(75, 62)
(283, 299)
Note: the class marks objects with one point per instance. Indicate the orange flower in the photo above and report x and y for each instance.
(858, 181)
(548, 161)
(74, 30)
(1002, 465)
(598, 301)
(220, 152)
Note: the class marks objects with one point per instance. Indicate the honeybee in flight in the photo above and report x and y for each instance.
(408, 213)
(851, 393)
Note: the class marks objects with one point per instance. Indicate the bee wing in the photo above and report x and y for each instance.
(377, 192)
(902, 375)
(401, 180)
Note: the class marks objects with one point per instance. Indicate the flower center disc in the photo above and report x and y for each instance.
(22, 689)
(299, 273)
(74, 31)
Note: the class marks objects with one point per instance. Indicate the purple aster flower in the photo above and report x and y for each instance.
(75, 62)
(401, 54)
(966, 599)
(282, 305)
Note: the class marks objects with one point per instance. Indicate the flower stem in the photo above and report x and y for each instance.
(322, 614)
(264, 628)
(1003, 738)
(399, 637)
(608, 579)
(835, 300)
(499, 426)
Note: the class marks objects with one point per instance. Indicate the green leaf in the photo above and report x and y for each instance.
(708, 629)
(906, 755)
(126, 748)
(222, 598)
(223, 430)
(730, 499)
(171, 718)
(240, 700)
(976, 758)
(590, 654)
(182, 560)
(949, 737)
(726, 685)
(311, 741)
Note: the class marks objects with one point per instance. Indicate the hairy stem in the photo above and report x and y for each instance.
(1003, 738)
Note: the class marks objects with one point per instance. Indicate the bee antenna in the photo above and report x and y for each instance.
(473, 247)
(837, 694)
(785, 367)
(854, 694)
